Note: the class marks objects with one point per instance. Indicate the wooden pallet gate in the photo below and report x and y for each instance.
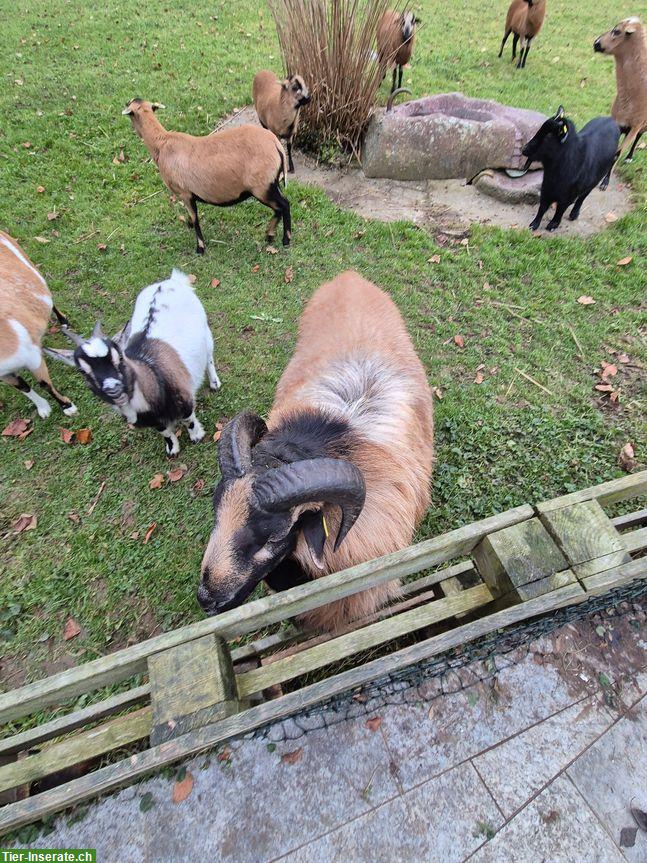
(201, 692)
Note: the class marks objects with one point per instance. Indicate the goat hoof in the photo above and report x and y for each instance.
(71, 410)
(573, 216)
(552, 226)
(534, 226)
(286, 242)
(199, 250)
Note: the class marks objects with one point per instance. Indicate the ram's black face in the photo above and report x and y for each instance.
(409, 22)
(100, 361)
(552, 133)
(298, 89)
(247, 542)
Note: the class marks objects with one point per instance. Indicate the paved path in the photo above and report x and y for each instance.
(540, 764)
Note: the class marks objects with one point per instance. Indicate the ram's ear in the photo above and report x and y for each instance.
(630, 28)
(63, 355)
(559, 114)
(127, 110)
(157, 105)
(315, 534)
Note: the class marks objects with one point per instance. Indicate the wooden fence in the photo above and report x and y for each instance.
(200, 691)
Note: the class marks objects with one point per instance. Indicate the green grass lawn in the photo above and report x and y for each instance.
(67, 70)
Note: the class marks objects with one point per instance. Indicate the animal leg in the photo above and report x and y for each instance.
(171, 441)
(525, 56)
(290, 162)
(636, 137)
(395, 72)
(43, 408)
(577, 206)
(607, 177)
(42, 376)
(536, 222)
(214, 380)
(522, 48)
(399, 76)
(515, 42)
(277, 201)
(557, 218)
(270, 233)
(190, 203)
(194, 427)
(504, 40)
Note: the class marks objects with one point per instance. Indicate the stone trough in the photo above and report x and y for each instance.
(451, 136)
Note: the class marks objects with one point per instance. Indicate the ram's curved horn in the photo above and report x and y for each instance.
(389, 101)
(237, 439)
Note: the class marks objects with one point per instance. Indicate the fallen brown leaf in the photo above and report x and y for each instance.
(608, 371)
(191, 277)
(16, 428)
(74, 517)
(181, 790)
(586, 301)
(289, 275)
(67, 436)
(51, 216)
(479, 378)
(40, 239)
(272, 250)
(29, 464)
(438, 393)
(40, 189)
(624, 261)
(374, 723)
(83, 436)
(26, 521)
(71, 629)
(256, 268)
(102, 247)
(623, 358)
(292, 757)
(604, 388)
(434, 259)
(460, 341)
(215, 283)
(157, 481)
(198, 486)
(149, 532)
(627, 457)
(176, 474)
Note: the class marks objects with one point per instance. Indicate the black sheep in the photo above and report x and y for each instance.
(574, 163)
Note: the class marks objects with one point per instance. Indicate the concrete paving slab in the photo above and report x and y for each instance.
(442, 821)
(425, 741)
(612, 776)
(518, 767)
(557, 827)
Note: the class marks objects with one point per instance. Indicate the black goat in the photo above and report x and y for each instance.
(574, 163)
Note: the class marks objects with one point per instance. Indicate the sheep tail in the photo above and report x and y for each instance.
(284, 165)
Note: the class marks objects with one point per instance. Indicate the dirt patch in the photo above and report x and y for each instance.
(440, 204)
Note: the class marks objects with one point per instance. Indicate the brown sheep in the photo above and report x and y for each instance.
(525, 19)
(396, 34)
(221, 169)
(627, 44)
(278, 104)
(340, 474)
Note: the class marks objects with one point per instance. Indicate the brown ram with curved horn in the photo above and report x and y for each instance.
(340, 473)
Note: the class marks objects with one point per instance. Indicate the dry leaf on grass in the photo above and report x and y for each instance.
(624, 261)
(292, 757)
(157, 481)
(479, 378)
(215, 283)
(181, 790)
(608, 371)
(191, 277)
(16, 428)
(53, 215)
(83, 436)
(198, 486)
(74, 517)
(289, 275)
(40, 189)
(434, 259)
(29, 464)
(149, 532)
(177, 473)
(256, 268)
(604, 388)
(586, 301)
(67, 436)
(627, 457)
(272, 250)
(374, 723)
(459, 341)
(102, 247)
(26, 521)
(71, 629)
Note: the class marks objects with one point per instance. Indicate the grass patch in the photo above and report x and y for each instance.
(67, 70)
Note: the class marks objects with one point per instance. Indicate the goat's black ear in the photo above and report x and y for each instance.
(314, 533)
(559, 113)
(417, 21)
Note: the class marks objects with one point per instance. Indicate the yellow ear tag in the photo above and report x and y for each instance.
(325, 526)
(564, 128)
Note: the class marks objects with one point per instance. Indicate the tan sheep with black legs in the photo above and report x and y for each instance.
(278, 105)
(396, 34)
(626, 42)
(340, 473)
(221, 169)
(525, 19)
(25, 309)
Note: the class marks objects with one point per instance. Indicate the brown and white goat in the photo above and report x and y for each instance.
(628, 45)
(278, 105)
(396, 33)
(224, 168)
(340, 474)
(25, 308)
(525, 19)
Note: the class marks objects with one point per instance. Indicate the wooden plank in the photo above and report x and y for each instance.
(583, 532)
(359, 640)
(260, 645)
(606, 493)
(71, 721)
(621, 522)
(81, 747)
(254, 615)
(191, 685)
(522, 561)
(610, 579)
(131, 769)
(634, 540)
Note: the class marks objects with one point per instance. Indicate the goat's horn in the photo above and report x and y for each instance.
(389, 101)
(97, 332)
(237, 439)
(75, 338)
(330, 480)
(63, 355)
